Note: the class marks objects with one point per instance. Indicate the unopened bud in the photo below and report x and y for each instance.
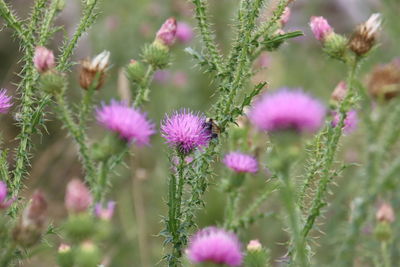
(385, 213)
(320, 28)
(364, 37)
(78, 197)
(135, 71)
(52, 82)
(43, 59)
(166, 35)
(340, 92)
(254, 245)
(383, 231)
(93, 72)
(65, 257)
(80, 226)
(88, 255)
(335, 45)
(31, 225)
(156, 55)
(104, 213)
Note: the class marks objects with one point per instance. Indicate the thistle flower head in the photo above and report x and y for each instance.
(350, 123)
(78, 197)
(166, 35)
(364, 37)
(5, 101)
(385, 213)
(104, 213)
(320, 28)
(240, 162)
(43, 59)
(215, 245)
(130, 123)
(384, 80)
(254, 245)
(92, 72)
(285, 16)
(185, 130)
(287, 110)
(340, 91)
(4, 203)
(184, 33)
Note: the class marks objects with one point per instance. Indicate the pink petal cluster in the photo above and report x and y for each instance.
(78, 197)
(167, 33)
(185, 130)
(287, 109)
(4, 203)
(130, 123)
(5, 101)
(240, 162)
(320, 28)
(385, 213)
(184, 32)
(104, 213)
(286, 15)
(350, 123)
(215, 245)
(43, 59)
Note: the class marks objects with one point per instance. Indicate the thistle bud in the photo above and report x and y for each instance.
(43, 59)
(78, 197)
(88, 255)
(135, 71)
(364, 37)
(156, 55)
(166, 35)
(52, 82)
(335, 45)
(254, 245)
(32, 223)
(384, 80)
(340, 92)
(65, 257)
(320, 28)
(385, 213)
(104, 213)
(4, 202)
(93, 72)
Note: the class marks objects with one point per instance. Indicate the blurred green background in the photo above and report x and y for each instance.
(123, 27)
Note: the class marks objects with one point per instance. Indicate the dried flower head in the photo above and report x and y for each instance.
(43, 59)
(104, 213)
(93, 71)
(320, 28)
(130, 123)
(185, 130)
(287, 110)
(78, 197)
(5, 101)
(166, 35)
(384, 80)
(340, 92)
(215, 245)
(240, 162)
(254, 245)
(184, 32)
(4, 203)
(385, 213)
(350, 123)
(364, 37)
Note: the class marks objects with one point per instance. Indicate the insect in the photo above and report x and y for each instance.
(211, 126)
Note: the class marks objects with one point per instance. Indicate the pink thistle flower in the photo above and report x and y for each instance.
(320, 28)
(130, 123)
(350, 123)
(254, 245)
(285, 16)
(385, 213)
(215, 245)
(43, 59)
(185, 130)
(287, 110)
(184, 33)
(167, 33)
(104, 213)
(78, 197)
(5, 101)
(4, 203)
(240, 162)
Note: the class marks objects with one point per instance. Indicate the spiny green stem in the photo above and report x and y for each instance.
(143, 88)
(230, 210)
(385, 254)
(45, 30)
(12, 21)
